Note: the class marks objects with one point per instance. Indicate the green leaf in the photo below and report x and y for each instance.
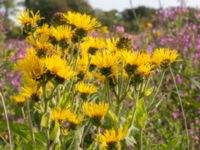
(20, 129)
(92, 146)
(193, 103)
(140, 115)
(40, 137)
(55, 133)
(75, 145)
(113, 117)
(172, 144)
(148, 91)
(45, 120)
(129, 120)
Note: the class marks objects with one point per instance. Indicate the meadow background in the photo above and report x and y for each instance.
(147, 29)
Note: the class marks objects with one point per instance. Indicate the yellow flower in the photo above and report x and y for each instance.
(19, 99)
(91, 45)
(85, 88)
(145, 69)
(149, 24)
(58, 114)
(43, 46)
(74, 119)
(44, 29)
(106, 62)
(111, 44)
(31, 66)
(133, 59)
(28, 18)
(163, 56)
(61, 33)
(81, 21)
(95, 111)
(30, 92)
(83, 63)
(59, 67)
(111, 138)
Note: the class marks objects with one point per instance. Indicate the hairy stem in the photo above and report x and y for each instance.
(158, 88)
(182, 109)
(7, 121)
(30, 122)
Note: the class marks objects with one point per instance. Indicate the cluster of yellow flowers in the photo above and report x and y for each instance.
(67, 54)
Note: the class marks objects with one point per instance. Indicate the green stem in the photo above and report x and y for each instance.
(23, 113)
(30, 122)
(45, 98)
(45, 112)
(7, 121)
(141, 139)
(182, 109)
(85, 133)
(158, 89)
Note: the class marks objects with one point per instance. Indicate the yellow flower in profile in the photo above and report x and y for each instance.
(111, 44)
(145, 69)
(43, 30)
(110, 139)
(61, 33)
(59, 67)
(81, 21)
(59, 114)
(83, 63)
(30, 91)
(135, 58)
(106, 62)
(74, 119)
(28, 18)
(86, 88)
(163, 56)
(31, 66)
(95, 111)
(19, 99)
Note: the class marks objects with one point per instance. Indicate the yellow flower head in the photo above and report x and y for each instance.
(81, 21)
(58, 114)
(31, 91)
(83, 63)
(59, 67)
(145, 69)
(85, 88)
(110, 138)
(42, 44)
(74, 119)
(19, 99)
(111, 44)
(106, 62)
(163, 56)
(91, 45)
(95, 111)
(43, 30)
(133, 59)
(61, 33)
(28, 18)
(31, 66)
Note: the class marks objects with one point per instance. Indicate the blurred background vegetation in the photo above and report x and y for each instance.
(129, 18)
